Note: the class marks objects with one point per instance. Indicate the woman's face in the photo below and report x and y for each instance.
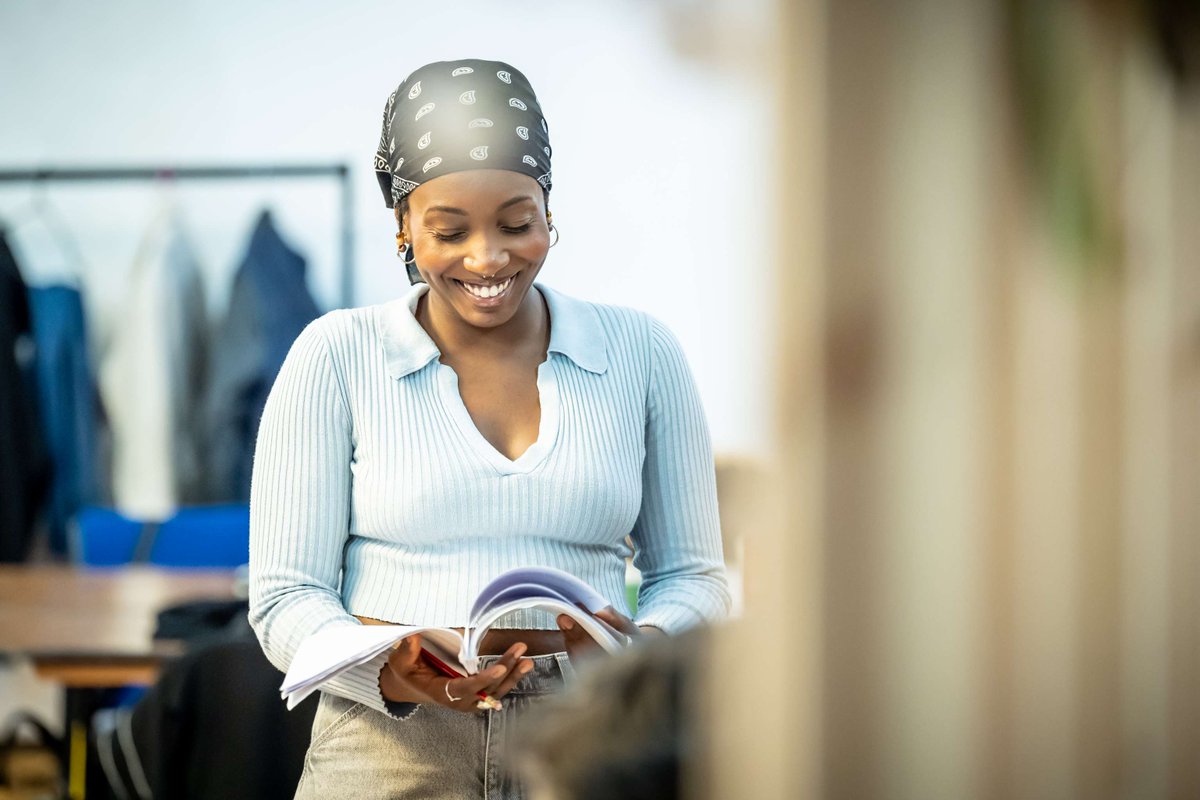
(479, 238)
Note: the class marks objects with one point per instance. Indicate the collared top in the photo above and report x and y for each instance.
(374, 494)
(575, 331)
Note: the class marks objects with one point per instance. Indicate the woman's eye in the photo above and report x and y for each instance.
(517, 228)
(448, 237)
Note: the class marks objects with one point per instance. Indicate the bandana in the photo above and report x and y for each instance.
(451, 116)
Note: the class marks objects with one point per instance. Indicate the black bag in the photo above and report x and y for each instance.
(202, 621)
(212, 727)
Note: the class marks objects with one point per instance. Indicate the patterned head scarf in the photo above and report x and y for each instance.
(451, 116)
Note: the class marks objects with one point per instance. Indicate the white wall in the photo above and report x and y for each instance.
(660, 164)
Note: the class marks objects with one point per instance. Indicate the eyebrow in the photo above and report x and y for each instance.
(451, 210)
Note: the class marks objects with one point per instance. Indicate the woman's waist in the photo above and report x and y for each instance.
(537, 642)
(435, 589)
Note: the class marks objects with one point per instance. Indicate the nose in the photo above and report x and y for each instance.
(486, 256)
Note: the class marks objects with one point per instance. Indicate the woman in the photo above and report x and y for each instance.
(412, 451)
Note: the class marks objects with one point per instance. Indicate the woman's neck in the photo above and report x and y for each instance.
(527, 331)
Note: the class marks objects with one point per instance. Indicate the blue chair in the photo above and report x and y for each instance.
(196, 536)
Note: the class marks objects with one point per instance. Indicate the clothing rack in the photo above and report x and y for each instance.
(341, 172)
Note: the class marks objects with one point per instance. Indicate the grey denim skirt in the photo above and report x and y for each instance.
(434, 752)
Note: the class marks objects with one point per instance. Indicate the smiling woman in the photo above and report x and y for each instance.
(482, 237)
(412, 451)
(479, 238)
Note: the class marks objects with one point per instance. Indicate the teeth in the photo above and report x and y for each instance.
(484, 292)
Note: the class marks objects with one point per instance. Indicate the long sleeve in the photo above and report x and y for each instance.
(300, 511)
(677, 536)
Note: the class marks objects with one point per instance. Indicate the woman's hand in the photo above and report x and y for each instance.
(580, 643)
(409, 678)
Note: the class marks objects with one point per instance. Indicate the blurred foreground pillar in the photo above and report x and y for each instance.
(976, 572)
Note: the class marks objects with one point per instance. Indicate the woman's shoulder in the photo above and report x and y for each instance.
(343, 326)
(344, 339)
(610, 334)
(612, 319)
(620, 325)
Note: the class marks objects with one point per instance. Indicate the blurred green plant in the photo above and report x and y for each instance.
(1061, 120)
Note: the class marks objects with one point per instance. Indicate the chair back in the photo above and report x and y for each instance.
(196, 536)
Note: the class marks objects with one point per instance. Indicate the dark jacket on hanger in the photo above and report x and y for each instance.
(269, 306)
(67, 404)
(24, 465)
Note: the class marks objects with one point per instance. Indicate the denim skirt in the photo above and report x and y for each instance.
(434, 752)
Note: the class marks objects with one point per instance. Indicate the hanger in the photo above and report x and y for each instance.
(164, 225)
(38, 209)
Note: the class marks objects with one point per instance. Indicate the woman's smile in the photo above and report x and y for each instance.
(487, 295)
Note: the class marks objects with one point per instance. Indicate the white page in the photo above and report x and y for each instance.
(315, 681)
(562, 584)
(519, 591)
(598, 630)
(332, 649)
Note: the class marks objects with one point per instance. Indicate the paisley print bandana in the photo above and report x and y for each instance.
(451, 116)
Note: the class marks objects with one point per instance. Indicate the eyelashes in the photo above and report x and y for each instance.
(457, 236)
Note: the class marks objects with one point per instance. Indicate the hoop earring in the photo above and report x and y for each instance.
(554, 230)
(409, 258)
(404, 250)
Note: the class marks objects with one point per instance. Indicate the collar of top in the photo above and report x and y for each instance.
(575, 332)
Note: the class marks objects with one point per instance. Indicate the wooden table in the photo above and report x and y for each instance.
(93, 628)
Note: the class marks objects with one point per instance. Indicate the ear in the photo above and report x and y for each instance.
(404, 216)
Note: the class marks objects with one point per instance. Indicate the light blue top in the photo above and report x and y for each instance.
(374, 494)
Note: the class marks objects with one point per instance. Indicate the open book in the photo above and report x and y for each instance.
(331, 650)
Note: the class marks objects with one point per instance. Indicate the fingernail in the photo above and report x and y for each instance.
(566, 623)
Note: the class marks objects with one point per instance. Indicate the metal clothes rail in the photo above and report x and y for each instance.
(340, 172)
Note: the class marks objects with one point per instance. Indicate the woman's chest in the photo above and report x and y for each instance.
(502, 399)
(424, 471)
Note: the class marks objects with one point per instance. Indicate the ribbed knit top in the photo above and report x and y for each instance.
(374, 494)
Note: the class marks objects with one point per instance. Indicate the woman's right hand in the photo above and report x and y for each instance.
(409, 678)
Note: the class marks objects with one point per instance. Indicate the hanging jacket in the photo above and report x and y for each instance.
(24, 464)
(67, 404)
(151, 374)
(269, 305)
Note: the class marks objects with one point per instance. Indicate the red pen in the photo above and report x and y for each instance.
(485, 702)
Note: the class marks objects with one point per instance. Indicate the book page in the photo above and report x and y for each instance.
(560, 584)
(338, 647)
(521, 597)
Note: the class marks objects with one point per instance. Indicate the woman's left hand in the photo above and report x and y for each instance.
(580, 644)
